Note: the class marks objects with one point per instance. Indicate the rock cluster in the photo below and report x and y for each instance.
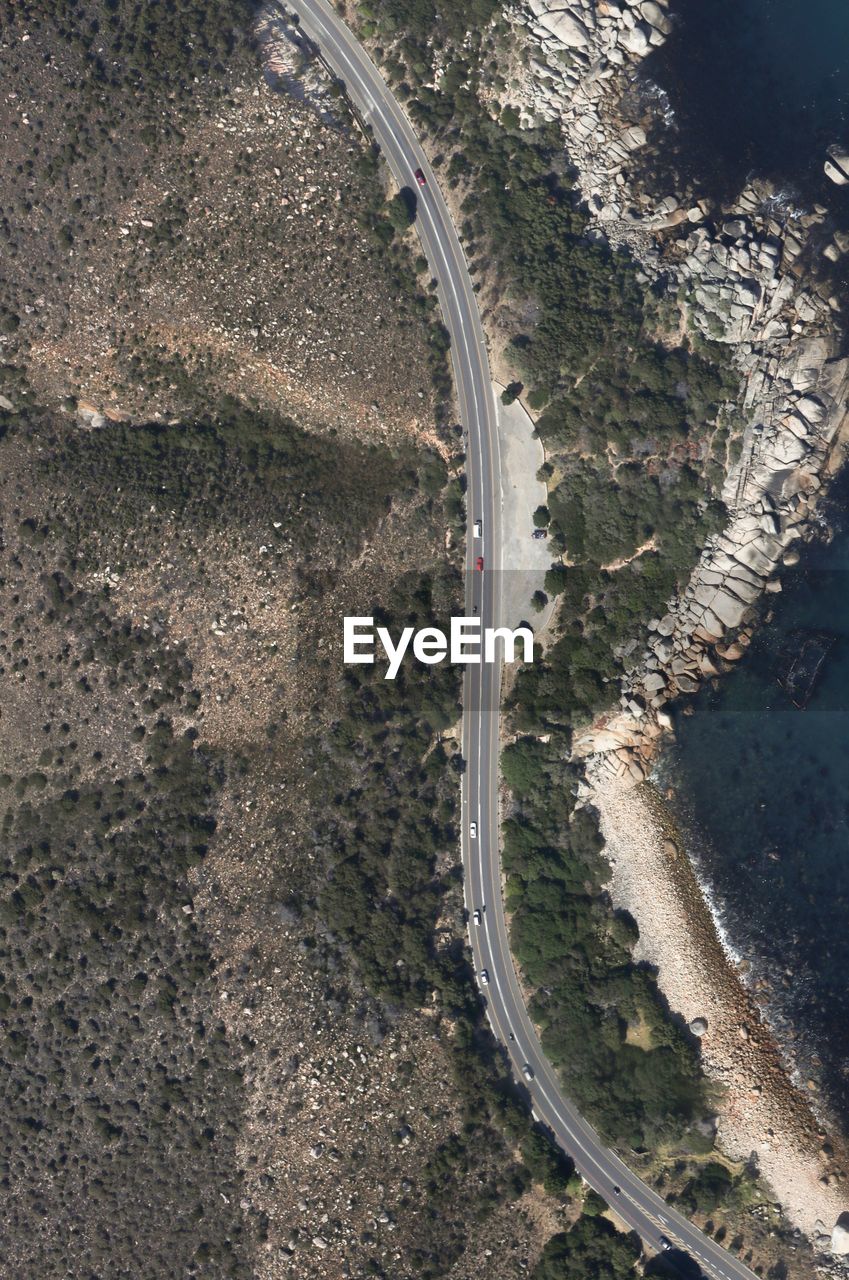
(796, 402)
(837, 165)
(740, 275)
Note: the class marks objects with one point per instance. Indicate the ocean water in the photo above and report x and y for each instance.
(760, 88)
(757, 87)
(763, 792)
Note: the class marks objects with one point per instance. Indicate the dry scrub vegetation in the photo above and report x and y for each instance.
(147, 217)
(237, 1036)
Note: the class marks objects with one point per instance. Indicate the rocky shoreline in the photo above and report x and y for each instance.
(762, 1115)
(744, 276)
(753, 275)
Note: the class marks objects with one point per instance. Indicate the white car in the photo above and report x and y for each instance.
(528, 1072)
(476, 916)
(479, 528)
(473, 831)
(484, 978)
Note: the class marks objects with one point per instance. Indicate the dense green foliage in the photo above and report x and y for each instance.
(577, 955)
(592, 1250)
(394, 804)
(633, 417)
(122, 1089)
(416, 21)
(632, 426)
(123, 1095)
(145, 50)
(282, 473)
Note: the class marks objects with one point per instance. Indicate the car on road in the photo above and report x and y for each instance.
(484, 978)
(473, 831)
(528, 1071)
(420, 178)
(665, 1243)
(476, 916)
(617, 1191)
(479, 564)
(479, 528)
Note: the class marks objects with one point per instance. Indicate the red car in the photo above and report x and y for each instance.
(420, 178)
(479, 564)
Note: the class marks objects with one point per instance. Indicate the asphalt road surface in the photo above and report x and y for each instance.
(637, 1206)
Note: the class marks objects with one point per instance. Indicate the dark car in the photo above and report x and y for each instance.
(665, 1243)
(420, 178)
(540, 533)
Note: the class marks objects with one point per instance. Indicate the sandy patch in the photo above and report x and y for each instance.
(524, 559)
(761, 1114)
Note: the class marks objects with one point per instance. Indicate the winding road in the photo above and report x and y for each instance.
(661, 1227)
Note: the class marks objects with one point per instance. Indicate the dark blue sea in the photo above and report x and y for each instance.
(761, 88)
(757, 87)
(762, 790)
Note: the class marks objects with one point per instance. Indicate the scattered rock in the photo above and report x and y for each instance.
(840, 1236)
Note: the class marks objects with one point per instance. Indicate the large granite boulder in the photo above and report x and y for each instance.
(636, 40)
(840, 1235)
(655, 16)
(837, 165)
(566, 28)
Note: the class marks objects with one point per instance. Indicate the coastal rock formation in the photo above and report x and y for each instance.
(770, 495)
(837, 165)
(743, 275)
(739, 273)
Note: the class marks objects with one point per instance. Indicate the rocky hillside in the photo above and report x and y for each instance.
(167, 212)
(236, 1027)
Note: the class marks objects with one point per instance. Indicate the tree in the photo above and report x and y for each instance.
(401, 210)
(592, 1250)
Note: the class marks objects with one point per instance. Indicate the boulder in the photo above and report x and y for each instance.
(787, 449)
(811, 409)
(699, 1026)
(655, 16)
(728, 609)
(566, 28)
(837, 165)
(735, 228)
(635, 41)
(840, 1235)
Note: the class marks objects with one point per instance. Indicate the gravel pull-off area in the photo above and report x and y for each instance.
(761, 1113)
(525, 559)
